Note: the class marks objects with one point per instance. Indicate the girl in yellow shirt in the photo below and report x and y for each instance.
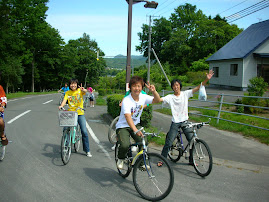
(75, 100)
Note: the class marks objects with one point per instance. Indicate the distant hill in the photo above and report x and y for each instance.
(119, 61)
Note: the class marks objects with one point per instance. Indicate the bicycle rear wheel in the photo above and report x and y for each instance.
(202, 158)
(112, 136)
(175, 151)
(2, 152)
(66, 146)
(125, 171)
(152, 180)
(77, 139)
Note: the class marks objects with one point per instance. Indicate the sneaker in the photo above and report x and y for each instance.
(113, 148)
(143, 167)
(120, 164)
(89, 154)
(134, 148)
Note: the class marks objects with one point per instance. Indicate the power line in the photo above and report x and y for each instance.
(233, 7)
(247, 11)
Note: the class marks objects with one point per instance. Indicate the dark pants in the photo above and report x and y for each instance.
(173, 133)
(123, 135)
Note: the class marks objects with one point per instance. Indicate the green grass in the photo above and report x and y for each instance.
(100, 101)
(23, 94)
(258, 134)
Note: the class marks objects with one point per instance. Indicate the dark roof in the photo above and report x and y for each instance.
(244, 43)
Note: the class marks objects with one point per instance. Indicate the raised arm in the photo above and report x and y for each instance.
(156, 95)
(208, 77)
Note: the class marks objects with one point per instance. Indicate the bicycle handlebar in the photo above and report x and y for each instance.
(78, 108)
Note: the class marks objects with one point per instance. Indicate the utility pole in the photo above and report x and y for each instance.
(149, 48)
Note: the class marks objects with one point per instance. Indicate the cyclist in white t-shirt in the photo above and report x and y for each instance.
(131, 110)
(179, 108)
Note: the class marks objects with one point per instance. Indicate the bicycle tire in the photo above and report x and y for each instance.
(156, 182)
(112, 136)
(61, 99)
(175, 151)
(86, 102)
(202, 158)
(2, 152)
(127, 164)
(65, 147)
(77, 139)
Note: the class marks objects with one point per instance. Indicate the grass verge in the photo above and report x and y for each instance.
(23, 94)
(258, 134)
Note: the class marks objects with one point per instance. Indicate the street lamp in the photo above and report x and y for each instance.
(149, 4)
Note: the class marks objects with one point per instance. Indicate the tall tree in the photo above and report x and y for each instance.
(11, 46)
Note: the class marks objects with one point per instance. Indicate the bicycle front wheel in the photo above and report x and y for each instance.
(77, 139)
(126, 170)
(175, 151)
(61, 99)
(202, 158)
(153, 177)
(2, 152)
(112, 136)
(66, 147)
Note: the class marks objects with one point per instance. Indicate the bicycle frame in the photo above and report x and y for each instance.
(72, 133)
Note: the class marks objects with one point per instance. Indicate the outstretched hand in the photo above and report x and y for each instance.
(150, 87)
(209, 74)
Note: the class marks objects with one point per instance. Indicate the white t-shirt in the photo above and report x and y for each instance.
(130, 106)
(179, 105)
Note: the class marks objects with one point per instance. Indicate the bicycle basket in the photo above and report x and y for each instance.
(68, 118)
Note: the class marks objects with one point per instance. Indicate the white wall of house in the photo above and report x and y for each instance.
(249, 69)
(250, 63)
(264, 48)
(225, 79)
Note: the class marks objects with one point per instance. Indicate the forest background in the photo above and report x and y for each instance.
(34, 57)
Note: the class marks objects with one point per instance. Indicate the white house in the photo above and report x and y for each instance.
(244, 57)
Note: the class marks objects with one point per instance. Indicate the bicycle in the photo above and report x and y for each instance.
(153, 176)
(112, 136)
(2, 151)
(199, 150)
(71, 133)
(61, 98)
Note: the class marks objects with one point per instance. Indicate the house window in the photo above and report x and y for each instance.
(216, 71)
(234, 70)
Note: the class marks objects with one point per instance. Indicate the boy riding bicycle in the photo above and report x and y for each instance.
(179, 107)
(131, 110)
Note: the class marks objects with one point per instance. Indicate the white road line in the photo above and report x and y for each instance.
(47, 102)
(14, 119)
(97, 140)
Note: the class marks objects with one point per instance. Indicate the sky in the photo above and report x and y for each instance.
(106, 21)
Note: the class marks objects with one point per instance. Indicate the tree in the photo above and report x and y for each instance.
(11, 47)
(188, 35)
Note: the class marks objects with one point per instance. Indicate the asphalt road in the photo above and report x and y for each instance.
(33, 171)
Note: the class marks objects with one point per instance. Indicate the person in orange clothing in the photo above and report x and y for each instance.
(3, 103)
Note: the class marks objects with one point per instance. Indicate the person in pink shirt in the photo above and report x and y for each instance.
(90, 95)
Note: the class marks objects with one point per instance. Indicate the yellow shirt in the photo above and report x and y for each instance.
(75, 100)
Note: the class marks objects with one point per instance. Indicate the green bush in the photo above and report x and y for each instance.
(239, 109)
(257, 86)
(196, 77)
(253, 102)
(146, 116)
(113, 107)
(114, 110)
(109, 91)
(102, 92)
